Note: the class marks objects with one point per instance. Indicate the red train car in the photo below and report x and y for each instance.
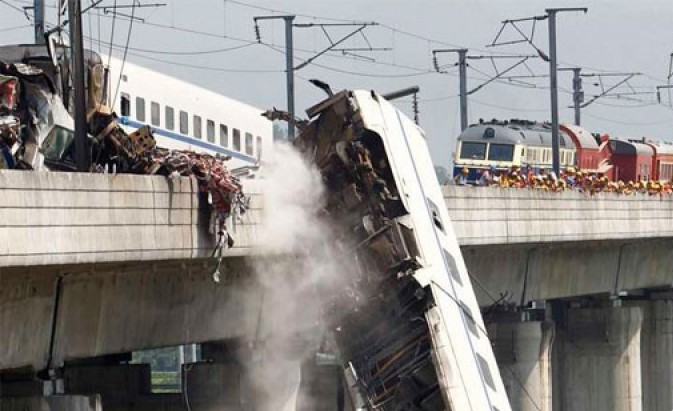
(662, 162)
(632, 160)
(593, 152)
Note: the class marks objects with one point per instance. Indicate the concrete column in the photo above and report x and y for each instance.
(232, 387)
(523, 352)
(597, 356)
(657, 355)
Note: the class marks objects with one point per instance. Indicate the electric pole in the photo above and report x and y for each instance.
(665, 87)
(553, 76)
(578, 93)
(38, 10)
(82, 149)
(462, 73)
(289, 66)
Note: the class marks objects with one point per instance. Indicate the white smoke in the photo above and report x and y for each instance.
(299, 258)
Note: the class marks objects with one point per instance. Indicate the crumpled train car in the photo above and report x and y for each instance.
(407, 324)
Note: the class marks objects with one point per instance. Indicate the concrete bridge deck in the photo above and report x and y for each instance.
(92, 265)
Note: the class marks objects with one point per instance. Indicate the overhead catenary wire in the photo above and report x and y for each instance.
(15, 8)
(198, 66)
(6, 29)
(126, 49)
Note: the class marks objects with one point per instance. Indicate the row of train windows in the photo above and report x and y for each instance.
(197, 125)
(544, 155)
(467, 313)
(665, 171)
(477, 151)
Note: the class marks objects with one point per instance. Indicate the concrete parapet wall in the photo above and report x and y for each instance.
(72, 218)
(492, 216)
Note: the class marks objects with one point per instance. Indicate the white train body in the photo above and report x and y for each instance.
(412, 337)
(187, 117)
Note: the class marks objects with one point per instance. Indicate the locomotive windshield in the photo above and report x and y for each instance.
(501, 152)
(473, 151)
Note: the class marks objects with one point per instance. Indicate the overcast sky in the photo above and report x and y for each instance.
(615, 35)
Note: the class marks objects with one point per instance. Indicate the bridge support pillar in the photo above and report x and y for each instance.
(597, 360)
(523, 352)
(657, 355)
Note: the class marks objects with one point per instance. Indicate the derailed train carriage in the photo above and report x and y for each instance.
(411, 337)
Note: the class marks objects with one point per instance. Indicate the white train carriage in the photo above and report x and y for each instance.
(188, 117)
(414, 337)
(183, 115)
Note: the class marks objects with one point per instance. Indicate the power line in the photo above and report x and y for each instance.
(270, 10)
(199, 66)
(354, 73)
(193, 52)
(126, 48)
(513, 109)
(15, 28)
(15, 8)
(624, 123)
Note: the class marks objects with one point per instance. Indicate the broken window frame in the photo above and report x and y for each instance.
(125, 105)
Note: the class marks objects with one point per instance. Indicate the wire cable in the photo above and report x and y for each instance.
(126, 50)
(112, 33)
(15, 28)
(199, 67)
(624, 123)
(13, 7)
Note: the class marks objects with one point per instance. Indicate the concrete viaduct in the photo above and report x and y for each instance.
(576, 291)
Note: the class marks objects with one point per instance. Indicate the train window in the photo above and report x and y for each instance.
(249, 149)
(259, 148)
(184, 122)
(486, 372)
(436, 218)
(125, 105)
(170, 118)
(237, 139)
(489, 132)
(210, 130)
(224, 135)
(198, 131)
(140, 109)
(453, 268)
(155, 115)
(473, 151)
(471, 323)
(501, 152)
